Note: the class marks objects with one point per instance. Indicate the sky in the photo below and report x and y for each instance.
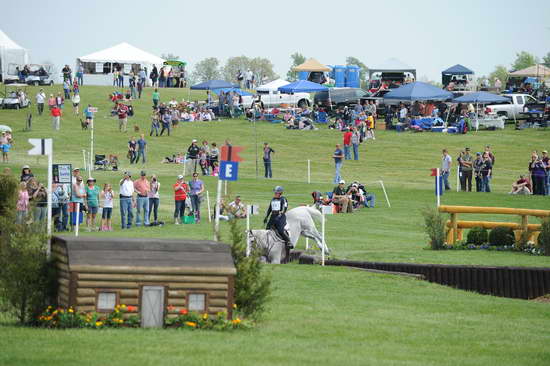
(429, 35)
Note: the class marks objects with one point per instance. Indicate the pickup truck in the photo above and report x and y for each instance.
(274, 98)
(514, 108)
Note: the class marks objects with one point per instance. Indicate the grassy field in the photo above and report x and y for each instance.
(318, 315)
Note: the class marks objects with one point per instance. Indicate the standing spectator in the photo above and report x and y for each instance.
(67, 74)
(141, 149)
(478, 164)
(446, 163)
(340, 197)
(486, 172)
(193, 154)
(166, 122)
(155, 122)
(347, 144)
(538, 175)
(115, 77)
(78, 194)
(127, 201)
(132, 150)
(355, 141)
(546, 161)
(491, 155)
(338, 155)
(5, 146)
(249, 77)
(22, 203)
(67, 89)
(267, 160)
(121, 78)
(52, 101)
(156, 97)
(142, 75)
(214, 155)
(154, 199)
(26, 173)
(40, 99)
(76, 89)
(62, 198)
(498, 84)
(80, 75)
(466, 167)
(196, 188)
(56, 118)
(89, 115)
(403, 114)
(39, 198)
(154, 76)
(181, 189)
(76, 103)
(139, 88)
(59, 101)
(107, 195)
(92, 203)
(142, 187)
(122, 111)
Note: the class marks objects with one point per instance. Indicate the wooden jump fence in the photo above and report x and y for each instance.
(514, 282)
(456, 226)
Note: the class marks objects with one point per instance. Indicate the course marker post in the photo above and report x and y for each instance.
(385, 194)
(208, 205)
(308, 171)
(323, 238)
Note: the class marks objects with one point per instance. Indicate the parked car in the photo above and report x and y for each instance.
(339, 97)
(15, 96)
(274, 98)
(514, 108)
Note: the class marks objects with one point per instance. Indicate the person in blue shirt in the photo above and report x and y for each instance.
(338, 157)
(89, 115)
(142, 148)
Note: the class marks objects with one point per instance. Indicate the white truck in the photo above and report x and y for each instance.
(514, 108)
(271, 97)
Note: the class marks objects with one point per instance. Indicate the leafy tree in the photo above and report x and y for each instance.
(523, 60)
(169, 56)
(350, 60)
(297, 59)
(233, 65)
(546, 60)
(207, 69)
(262, 67)
(500, 73)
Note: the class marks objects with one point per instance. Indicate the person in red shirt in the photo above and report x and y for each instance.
(56, 117)
(181, 189)
(522, 186)
(347, 144)
(122, 111)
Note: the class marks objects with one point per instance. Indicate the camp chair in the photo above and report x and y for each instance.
(100, 163)
(322, 117)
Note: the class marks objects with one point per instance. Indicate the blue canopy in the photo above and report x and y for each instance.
(213, 84)
(418, 91)
(457, 70)
(234, 90)
(480, 97)
(302, 86)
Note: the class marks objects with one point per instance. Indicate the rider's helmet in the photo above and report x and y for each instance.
(278, 189)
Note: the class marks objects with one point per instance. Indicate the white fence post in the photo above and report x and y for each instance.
(323, 238)
(308, 171)
(385, 194)
(248, 213)
(208, 205)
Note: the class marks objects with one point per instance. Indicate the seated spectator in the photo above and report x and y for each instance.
(521, 186)
(339, 196)
(237, 209)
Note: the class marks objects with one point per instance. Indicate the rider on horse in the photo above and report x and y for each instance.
(277, 209)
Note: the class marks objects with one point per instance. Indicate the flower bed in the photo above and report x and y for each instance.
(530, 248)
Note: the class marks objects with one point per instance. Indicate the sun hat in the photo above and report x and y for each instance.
(180, 176)
(26, 167)
(342, 181)
(90, 179)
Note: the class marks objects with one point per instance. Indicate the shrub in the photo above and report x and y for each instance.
(501, 236)
(477, 236)
(544, 237)
(252, 284)
(434, 225)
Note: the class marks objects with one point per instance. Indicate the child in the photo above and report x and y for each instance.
(107, 195)
(215, 169)
(203, 161)
(5, 150)
(370, 127)
(22, 203)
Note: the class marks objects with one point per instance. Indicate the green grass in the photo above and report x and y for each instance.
(318, 315)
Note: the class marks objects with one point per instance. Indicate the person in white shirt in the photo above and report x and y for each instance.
(127, 201)
(154, 199)
(403, 114)
(446, 163)
(237, 209)
(40, 99)
(76, 103)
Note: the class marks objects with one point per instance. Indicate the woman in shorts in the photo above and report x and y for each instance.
(76, 103)
(107, 195)
(92, 203)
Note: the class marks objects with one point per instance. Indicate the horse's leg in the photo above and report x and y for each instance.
(312, 233)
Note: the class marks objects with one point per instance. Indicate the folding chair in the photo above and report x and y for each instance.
(322, 117)
(100, 163)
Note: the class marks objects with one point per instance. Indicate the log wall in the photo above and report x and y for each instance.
(514, 282)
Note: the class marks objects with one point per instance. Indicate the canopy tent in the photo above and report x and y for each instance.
(418, 91)
(213, 84)
(534, 71)
(234, 90)
(272, 85)
(302, 86)
(457, 70)
(11, 56)
(392, 65)
(312, 65)
(480, 97)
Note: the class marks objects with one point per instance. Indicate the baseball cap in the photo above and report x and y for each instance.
(180, 176)
(467, 149)
(194, 140)
(75, 169)
(143, 173)
(355, 185)
(478, 153)
(26, 167)
(90, 179)
(545, 151)
(127, 173)
(342, 182)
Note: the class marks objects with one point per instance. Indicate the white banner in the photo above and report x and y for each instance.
(99, 67)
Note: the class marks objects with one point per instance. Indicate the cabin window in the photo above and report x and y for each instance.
(106, 301)
(196, 302)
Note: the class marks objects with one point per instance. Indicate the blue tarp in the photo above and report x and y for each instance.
(234, 90)
(302, 86)
(213, 84)
(480, 97)
(418, 91)
(457, 70)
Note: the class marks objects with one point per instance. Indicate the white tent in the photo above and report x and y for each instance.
(11, 55)
(272, 85)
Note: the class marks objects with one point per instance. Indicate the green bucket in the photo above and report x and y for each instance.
(189, 219)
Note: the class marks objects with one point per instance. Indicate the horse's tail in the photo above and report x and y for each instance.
(314, 213)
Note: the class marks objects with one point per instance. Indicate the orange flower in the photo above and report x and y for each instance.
(236, 321)
(131, 309)
(191, 324)
(183, 312)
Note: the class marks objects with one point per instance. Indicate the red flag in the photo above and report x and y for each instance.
(231, 153)
(434, 172)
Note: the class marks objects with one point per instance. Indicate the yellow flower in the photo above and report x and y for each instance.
(49, 307)
(205, 316)
(123, 306)
(234, 306)
(71, 310)
(191, 324)
(98, 324)
(236, 321)
(61, 311)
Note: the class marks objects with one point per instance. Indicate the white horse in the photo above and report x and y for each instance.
(300, 222)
